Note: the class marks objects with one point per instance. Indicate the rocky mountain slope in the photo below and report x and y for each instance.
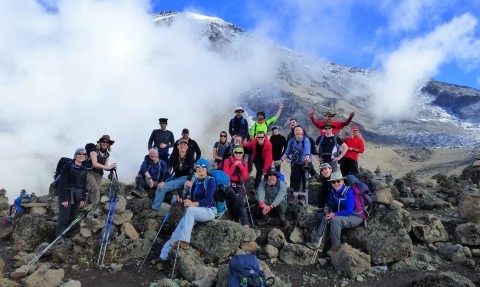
(445, 115)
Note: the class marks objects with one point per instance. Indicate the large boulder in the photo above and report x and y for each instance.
(276, 238)
(296, 254)
(444, 279)
(130, 249)
(468, 234)
(218, 239)
(469, 206)
(383, 195)
(452, 253)
(386, 237)
(28, 228)
(428, 228)
(120, 207)
(350, 260)
(189, 263)
(45, 278)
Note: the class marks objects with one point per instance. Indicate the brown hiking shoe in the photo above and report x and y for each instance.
(285, 223)
(183, 244)
(159, 260)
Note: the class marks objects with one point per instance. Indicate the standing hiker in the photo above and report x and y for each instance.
(162, 139)
(329, 115)
(183, 165)
(71, 190)
(355, 146)
(313, 151)
(261, 155)
(298, 153)
(330, 147)
(261, 125)
(192, 145)
(99, 155)
(279, 145)
(341, 213)
(219, 148)
(236, 168)
(198, 209)
(151, 174)
(239, 125)
(271, 198)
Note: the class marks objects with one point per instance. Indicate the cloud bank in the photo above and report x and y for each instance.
(102, 67)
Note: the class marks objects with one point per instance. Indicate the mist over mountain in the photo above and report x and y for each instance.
(442, 114)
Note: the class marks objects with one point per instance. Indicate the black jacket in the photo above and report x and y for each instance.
(279, 145)
(192, 148)
(71, 177)
(238, 126)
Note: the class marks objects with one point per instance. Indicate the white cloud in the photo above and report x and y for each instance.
(103, 67)
(416, 60)
(407, 15)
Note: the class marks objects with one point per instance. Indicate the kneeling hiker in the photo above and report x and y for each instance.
(151, 174)
(198, 209)
(271, 198)
(342, 213)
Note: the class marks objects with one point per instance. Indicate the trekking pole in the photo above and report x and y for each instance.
(315, 254)
(246, 197)
(80, 217)
(182, 222)
(307, 172)
(155, 239)
(114, 191)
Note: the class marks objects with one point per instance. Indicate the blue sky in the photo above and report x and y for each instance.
(350, 32)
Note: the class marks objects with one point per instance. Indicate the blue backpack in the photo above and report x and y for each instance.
(221, 178)
(245, 271)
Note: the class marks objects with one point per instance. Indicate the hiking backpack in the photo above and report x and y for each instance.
(363, 199)
(296, 152)
(245, 271)
(335, 141)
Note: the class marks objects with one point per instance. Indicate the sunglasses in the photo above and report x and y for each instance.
(260, 138)
(327, 128)
(81, 153)
(223, 136)
(336, 181)
(163, 123)
(200, 166)
(238, 152)
(293, 122)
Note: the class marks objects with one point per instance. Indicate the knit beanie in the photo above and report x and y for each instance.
(237, 147)
(202, 161)
(77, 150)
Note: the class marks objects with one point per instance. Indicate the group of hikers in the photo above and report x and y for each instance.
(186, 170)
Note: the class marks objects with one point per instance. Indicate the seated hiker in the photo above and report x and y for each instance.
(151, 174)
(198, 209)
(236, 168)
(71, 189)
(323, 195)
(271, 198)
(237, 139)
(183, 164)
(341, 213)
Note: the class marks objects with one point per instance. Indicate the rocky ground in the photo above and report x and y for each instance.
(423, 231)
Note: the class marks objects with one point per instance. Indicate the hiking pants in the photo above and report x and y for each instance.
(94, 181)
(297, 176)
(258, 162)
(349, 166)
(169, 186)
(65, 216)
(335, 228)
(236, 205)
(142, 183)
(312, 168)
(278, 210)
(192, 216)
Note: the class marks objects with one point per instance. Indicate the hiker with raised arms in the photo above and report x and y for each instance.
(162, 139)
(152, 172)
(236, 168)
(271, 198)
(98, 160)
(298, 153)
(183, 165)
(261, 125)
(239, 126)
(329, 115)
(219, 148)
(355, 146)
(192, 145)
(279, 145)
(341, 213)
(330, 147)
(71, 189)
(261, 155)
(199, 210)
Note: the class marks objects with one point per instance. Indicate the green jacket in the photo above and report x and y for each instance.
(273, 195)
(256, 127)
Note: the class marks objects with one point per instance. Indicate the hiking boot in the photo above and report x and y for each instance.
(264, 221)
(159, 260)
(292, 199)
(303, 199)
(135, 193)
(313, 246)
(285, 223)
(183, 244)
(153, 213)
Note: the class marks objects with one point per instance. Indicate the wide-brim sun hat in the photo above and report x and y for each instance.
(329, 113)
(107, 138)
(328, 125)
(336, 176)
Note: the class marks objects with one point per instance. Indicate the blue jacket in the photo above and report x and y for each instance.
(342, 202)
(202, 196)
(303, 145)
(157, 170)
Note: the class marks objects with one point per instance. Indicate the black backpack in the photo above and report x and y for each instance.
(245, 271)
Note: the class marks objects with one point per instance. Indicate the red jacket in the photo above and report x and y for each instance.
(338, 125)
(229, 169)
(266, 152)
(357, 143)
